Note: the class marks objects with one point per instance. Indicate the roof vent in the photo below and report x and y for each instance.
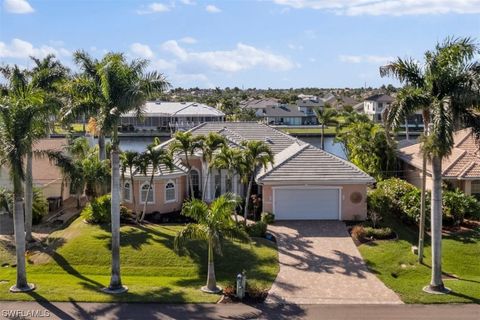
(158, 102)
(268, 140)
(183, 102)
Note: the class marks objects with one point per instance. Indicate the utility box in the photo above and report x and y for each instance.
(241, 284)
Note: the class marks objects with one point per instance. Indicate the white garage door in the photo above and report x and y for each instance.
(306, 204)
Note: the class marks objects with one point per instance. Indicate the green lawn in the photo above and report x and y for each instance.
(328, 130)
(80, 266)
(394, 263)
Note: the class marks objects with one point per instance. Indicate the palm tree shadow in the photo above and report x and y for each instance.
(53, 309)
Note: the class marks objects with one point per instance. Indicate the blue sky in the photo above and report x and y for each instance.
(255, 43)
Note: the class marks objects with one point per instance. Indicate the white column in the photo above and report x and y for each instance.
(468, 187)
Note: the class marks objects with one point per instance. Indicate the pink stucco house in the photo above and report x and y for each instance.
(305, 183)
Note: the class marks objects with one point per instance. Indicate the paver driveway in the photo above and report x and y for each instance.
(320, 264)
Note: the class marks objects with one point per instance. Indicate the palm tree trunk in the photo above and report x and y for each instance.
(101, 146)
(134, 203)
(211, 280)
(321, 138)
(21, 284)
(247, 199)
(190, 187)
(436, 283)
(421, 234)
(423, 194)
(115, 280)
(84, 120)
(146, 199)
(205, 184)
(28, 196)
(78, 196)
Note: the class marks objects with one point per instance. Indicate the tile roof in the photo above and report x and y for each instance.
(282, 111)
(162, 170)
(380, 97)
(295, 160)
(462, 163)
(160, 108)
(308, 164)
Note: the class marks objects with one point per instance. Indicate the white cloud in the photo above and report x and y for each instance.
(365, 59)
(154, 7)
(242, 57)
(188, 2)
(141, 50)
(188, 40)
(292, 46)
(21, 49)
(18, 6)
(212, 9)
(386, 7)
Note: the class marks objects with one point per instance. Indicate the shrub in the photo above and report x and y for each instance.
(39, 206)
(257, 229)
(457, 205)
(98, 211)
(267, 217)
(410, 206)
(358, 232)
(378, 205)
(378, 233)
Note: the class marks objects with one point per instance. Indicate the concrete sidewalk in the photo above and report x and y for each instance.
(76, 310)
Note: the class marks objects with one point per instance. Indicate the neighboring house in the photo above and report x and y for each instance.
(374, 106)
(272, 112)
(339, 102)
(282, 115)
(46, 176)
(307, 104)
(171, 116)
(304, 182)
(461, 169)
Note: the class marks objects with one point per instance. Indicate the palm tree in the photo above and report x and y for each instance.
(129, 160)
(209, 145)
(153, 158)
(213, 224)
(18, 111)
(186, 144)
(124, 87)
(45, 76)
(256, 154)
(449, 82)
(326, 117)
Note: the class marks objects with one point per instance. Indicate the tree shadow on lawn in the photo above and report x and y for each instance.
(137, 236)
(234, 260)
(64, 264)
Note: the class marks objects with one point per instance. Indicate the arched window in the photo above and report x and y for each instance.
(195, 176)
(170, 193)
(127, 191)
(144, 191)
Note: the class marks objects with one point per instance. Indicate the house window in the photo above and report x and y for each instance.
(170, 194)
(144, 191)
(195, 177)
(476, 189)
(127, 191)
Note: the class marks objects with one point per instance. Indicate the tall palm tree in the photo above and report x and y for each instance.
(129, 160)
(186, 144)
(211, 143)
(449, 81)
(326, 117)
(256, 154)
(153, 159)
(232, 160)
(18, 111)
(124, 87)
(213, 224)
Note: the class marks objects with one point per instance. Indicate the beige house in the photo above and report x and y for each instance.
(461, 169)
(46, 176)
(305, 183)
